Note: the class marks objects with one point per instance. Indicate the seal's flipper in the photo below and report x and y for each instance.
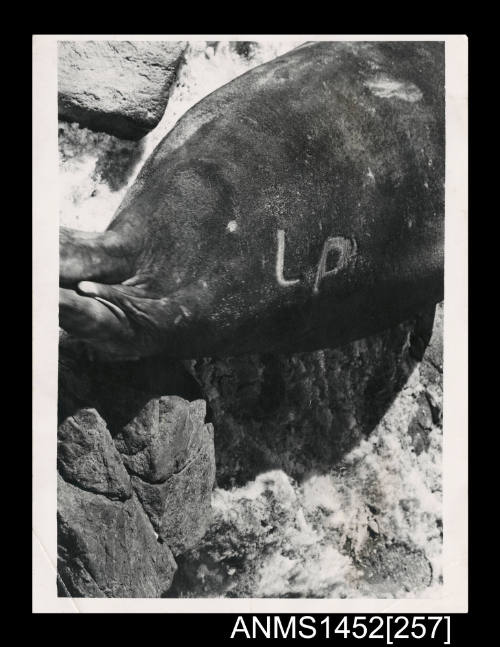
(299, 207)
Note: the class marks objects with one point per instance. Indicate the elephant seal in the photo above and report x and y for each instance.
(300, 206)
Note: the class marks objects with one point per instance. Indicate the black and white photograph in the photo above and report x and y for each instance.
(246, 386)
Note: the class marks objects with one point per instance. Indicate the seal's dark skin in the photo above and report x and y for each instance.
(300, 206)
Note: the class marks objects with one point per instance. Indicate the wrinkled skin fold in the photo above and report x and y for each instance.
(300, 206)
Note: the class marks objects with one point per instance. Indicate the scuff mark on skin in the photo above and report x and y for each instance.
(387, 88)
(185, 311)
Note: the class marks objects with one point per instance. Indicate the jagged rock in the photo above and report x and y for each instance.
(108, 548)
(118, 87)
(162, 438)
(112, 422)
(179, 508)
(88, 458)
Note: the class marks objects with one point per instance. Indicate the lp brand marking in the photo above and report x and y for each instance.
(280, 259)
(345, 248)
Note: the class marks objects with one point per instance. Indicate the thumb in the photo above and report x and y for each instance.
(101, 256)
(109, 295)
(90, 320)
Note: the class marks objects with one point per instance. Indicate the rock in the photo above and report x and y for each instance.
(391, 570)
(430, 400)
(117, 390)
(352, 506)
(431, 369)
(112, 423)
(260, 545)
(88, 458)
(302, 413)
(118, 87)
(244, 48)
(108, 548)
(434, 398)
(179, 508)
(161, 439)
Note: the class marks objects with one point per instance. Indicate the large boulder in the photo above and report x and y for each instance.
(303, 412)
(118, 87)
(88, 458)
(107, 548)
(179, 508)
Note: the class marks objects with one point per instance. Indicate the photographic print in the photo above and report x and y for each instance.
(251, 296)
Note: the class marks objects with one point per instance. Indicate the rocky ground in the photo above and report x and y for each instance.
(334, 490)
(326, 465)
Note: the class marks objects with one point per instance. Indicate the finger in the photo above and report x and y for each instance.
(102, 256)
(108, 295)
(141, 310)
(90, 319)
(115, 295)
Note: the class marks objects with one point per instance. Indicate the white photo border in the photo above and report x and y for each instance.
(45, 353)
